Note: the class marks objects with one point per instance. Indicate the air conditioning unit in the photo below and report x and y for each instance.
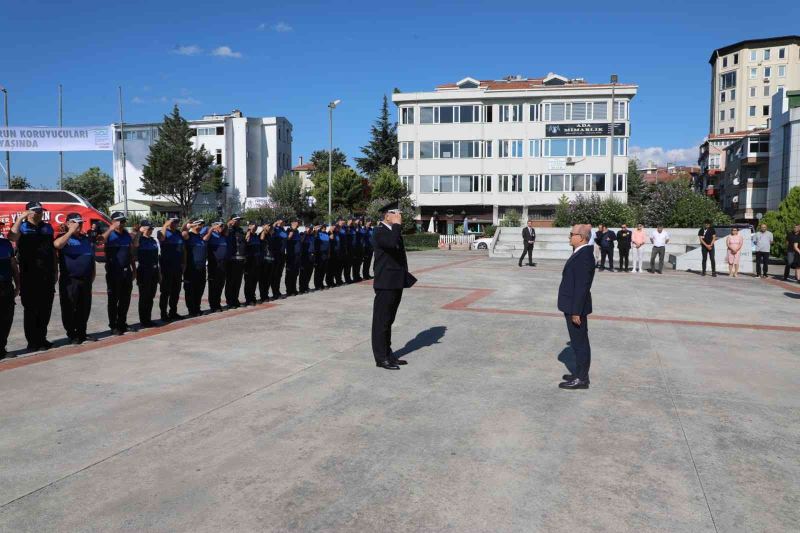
(766, 80)
(570, 161)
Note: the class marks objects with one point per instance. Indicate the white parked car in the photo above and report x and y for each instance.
(482, 244)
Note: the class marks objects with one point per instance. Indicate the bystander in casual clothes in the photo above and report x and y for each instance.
(763, 242)
(638, 240)
(734, 244)
(708, 236)
(660, 239)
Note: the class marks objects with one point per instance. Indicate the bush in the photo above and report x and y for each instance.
(675, 204)
(511, 219)
(594, 210)
(490, 230)
(267, 214)
(421, 241)
(782, 221)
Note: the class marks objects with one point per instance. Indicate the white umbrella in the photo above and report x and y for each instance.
(466, 226)
(431, 228)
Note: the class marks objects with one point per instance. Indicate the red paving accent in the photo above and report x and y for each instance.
(794, 287)
(448, 265)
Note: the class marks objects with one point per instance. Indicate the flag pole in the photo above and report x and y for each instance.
(122, 136)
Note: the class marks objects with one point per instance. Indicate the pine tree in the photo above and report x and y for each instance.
(348, 190)
(174, 169)
(383, 145)
(386, 184)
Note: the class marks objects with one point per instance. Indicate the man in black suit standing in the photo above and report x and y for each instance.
(575, 301)
(391, 277)
(528, 239)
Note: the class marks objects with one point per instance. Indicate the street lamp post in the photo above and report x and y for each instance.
(122, 138)
(8, 153)
(614, 80)
(331, 107)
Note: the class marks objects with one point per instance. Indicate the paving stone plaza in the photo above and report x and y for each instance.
(275, 418)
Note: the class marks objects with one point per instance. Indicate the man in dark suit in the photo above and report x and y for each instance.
(391, 277)
(575, 301)
(528, 239)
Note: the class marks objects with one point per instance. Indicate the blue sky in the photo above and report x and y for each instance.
(291, 58)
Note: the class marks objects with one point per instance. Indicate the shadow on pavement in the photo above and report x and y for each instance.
(567, 356)
(792, 295)
(429, 337)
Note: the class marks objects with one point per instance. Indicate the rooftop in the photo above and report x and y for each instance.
(518, 82)
(749, 43)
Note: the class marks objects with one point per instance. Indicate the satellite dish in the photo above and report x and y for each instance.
(394, 161)
(759, 216)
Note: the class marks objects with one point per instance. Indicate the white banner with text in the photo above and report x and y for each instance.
(55, 139)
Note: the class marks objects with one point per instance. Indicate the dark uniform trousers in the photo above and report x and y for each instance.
(292, 271)
(216, 283)
(233, 281)
(321, 272)
(579, 340)
(708, 254)
(623, 257)
(147, 281)
(252, 274)
(306, 271)
(333, 274)
(384, 311)
(119, 284)
(345, 266)
(609, 253)
(37, 296)
(265, 278)
(6, 311)
(194, 285)
(170, 291)
(356, 261)
(367, 264)
(276, 276)
(75, 295)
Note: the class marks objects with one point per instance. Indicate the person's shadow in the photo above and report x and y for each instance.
(792, 295)
(429, 337)
(567, 356)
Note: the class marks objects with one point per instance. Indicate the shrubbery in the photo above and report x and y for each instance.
(421, 241)
(782, 221)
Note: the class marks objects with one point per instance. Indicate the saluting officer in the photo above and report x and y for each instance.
(358, 249)
(9, 289)
(368, 232)
(267, 262)
(196, 237)
(37, 266)
(172, 265)
(345, 249)
(292, 257)
(277, 246)
(217, 257)
(120, 271)
(75, 282)
(252, 268)
(147, 272)
(322, 251)
(237, 255)
(306, 257)
(333, 276)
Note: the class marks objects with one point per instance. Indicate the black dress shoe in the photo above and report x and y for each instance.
(76, 341)
(46, 344)
(148, 324)
(89, 338)
(574, 384)
(388, 365)
(117, 332)
(398, 362)
(32, 348)
(571, 377)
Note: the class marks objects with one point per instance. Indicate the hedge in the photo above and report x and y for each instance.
(421, 241)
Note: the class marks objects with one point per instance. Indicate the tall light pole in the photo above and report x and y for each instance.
(60, 153)
(122, 138)
(614, 80)
(331, 107)
(8, 153)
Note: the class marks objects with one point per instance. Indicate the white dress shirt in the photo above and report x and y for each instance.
(659, 239)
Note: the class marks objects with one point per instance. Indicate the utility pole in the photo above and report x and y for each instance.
(122, 138)
(331, 107)
(60, 153)
(611, 148)
(8, 153)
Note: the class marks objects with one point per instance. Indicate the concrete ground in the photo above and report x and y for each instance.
(275, 418)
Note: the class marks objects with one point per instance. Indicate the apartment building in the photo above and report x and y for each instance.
(477, 148)
(253, 151)
(784, 151)
(743, 184)
(745, 75)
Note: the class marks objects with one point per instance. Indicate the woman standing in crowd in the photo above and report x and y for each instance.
(734, 243)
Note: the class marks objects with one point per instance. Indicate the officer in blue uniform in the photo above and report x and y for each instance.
(292, 257)
(76, 261)
(358, 249)
(145, 249)
(120, 271)
(237, 255)
(9, 289)
(345, 249)
(333, 276)
(322, 250)
(172, 265)
(195, 236)
(252, 265)
(306, 257)
(368, 230)
(265, 275)
(277, 246)
(37, 266)
(217, 258)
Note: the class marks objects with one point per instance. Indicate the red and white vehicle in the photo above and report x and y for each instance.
(57, 205)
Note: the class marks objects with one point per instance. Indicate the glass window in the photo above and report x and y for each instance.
(596, 146)
(619, 110)
(598, 182)
(407, 150)
(446, 149)
(753, 73)
(722, 114)
(557, 182)
(578, 183)
(767, 72)
(533, 182)
(620, 182)
(621, 145)
(752, 91)
(511, 183)
(782, 71)
(426, 183)
(446, 115)
(464, 183)
(731, 113)
(766, 90)
(426, 115)
(753, 55)
(406, 115)
(511, 113)
(445, 183)
(554, 111)
(466, 113)
(733, 95)
(781, 53)
(724, 62)
(752, 111)
(535, 148)
(533, 113)
(466, 149)
(426, 150)
(487, 181)
(767, 54)
(487, 113)
(487, 149)
(516, 148)
(736, 59)
(722, 96)
(765, 110)
(600, 110)
(555, 147)
(579, 110)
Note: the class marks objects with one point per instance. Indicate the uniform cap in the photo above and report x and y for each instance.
(74, 217)
(118, 215)
(34, 206)
(174, 219)
(391, 206)
(199, 221)
(234, 216)
(145, 222)
(217, 223)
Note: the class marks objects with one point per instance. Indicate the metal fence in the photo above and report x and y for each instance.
(456, 239)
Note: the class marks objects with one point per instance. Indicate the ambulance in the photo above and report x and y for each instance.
(57, 205)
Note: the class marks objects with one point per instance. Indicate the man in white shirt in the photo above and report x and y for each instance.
(659, 238)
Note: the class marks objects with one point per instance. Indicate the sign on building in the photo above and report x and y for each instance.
(585, 129)
(47, 139)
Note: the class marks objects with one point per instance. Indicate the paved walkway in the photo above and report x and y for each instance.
(274, 418)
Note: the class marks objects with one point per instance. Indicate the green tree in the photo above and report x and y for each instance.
(174, 169)
(382, 146)
(636, 185)
(782, 221)
(320, 160)
(407, 207)
(94, 185)
(562, 217)
(386, 184)
(348, 190)
(287, 191)
(511, 219)
(19, 183)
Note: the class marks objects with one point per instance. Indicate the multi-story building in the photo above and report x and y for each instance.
(478, 148)
(743, 187)
(745, 75)
(712, 159)
(304, 172)
(253, 151)
(784, 152)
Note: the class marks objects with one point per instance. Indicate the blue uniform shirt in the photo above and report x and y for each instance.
(293, 245)
(277, 242)
(77, 257)
(172, 250)
(368, 239)
(118, 251)
(147, 254)
(35, 248)
(217, 248)
(197, 250)
(254, 246)
(6, 253)
(324, 242)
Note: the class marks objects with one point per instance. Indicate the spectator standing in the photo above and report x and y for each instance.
(734, 244)
(659, 238)
(606, 238)
(792, 242)
(763, 242)
(624, 246)
(638, 239)
(707, 237)
(596, 246)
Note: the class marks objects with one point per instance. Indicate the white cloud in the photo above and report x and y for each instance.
(262, 27)
(187, 50)
(225, 51)
(661, 156)
(137, 100)
(188, 100)
(282, 27)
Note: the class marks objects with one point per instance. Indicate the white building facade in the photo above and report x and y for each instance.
(253, 151)
(476, 149)
(784, 151)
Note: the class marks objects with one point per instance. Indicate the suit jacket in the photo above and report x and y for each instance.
(528, 234)
(574, 293)
(391, 265)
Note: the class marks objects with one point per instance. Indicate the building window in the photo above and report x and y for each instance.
(724, 62)
(600, 110)
(781, 53)
(782, 71)
(408, 183)
(470, 113)
(579, 110)
(511, 148)
(219, 157)
(549, 182)
(727, 80)
(136, 135)
(731, 113)
(511, 113)
(767, 72)
(620, 182)
(535, 147)
(765, 110)
(736, 58)
(511, 183)
(722, 114)
(620, 110)
(621, 145)
(426, 115)
(487, 149)
(429, 184)
(555, 111)
(487, 113)
(766, 90)
(753, 73)
(596, 146)
(407, 150)
(554, 148)
(733, 95)
(759, 147)
(713, 160)
(206, 131)
(753, 55)
(406, 115)
(730, 130)
(722, 96)
(752, 111)
(752, 92)
(220, 130)
(446, 115)
(533, 113)
(767, 54)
